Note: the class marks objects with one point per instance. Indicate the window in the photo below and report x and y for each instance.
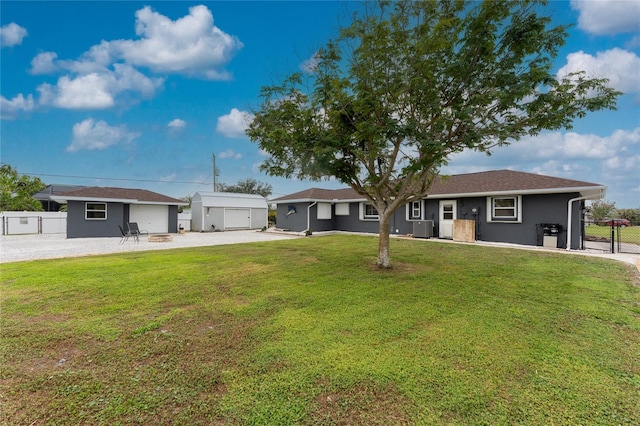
(504, 209)
(95, 211)
(414, 210)
(324, 210)
(368, 212)
(342, 209)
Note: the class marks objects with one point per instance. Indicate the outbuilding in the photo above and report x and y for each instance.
(222, 211)
(100, 211)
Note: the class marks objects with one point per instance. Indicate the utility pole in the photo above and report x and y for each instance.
(215, 173)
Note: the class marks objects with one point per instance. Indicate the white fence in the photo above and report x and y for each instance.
(15, 223)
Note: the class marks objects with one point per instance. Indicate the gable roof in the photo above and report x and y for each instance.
(496, 182)
(123, 195)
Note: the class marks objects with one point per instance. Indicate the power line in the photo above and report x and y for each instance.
(118, 179)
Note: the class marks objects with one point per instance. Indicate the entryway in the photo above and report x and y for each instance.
(446, 217)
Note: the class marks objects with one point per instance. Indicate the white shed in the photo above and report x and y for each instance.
(226, 211)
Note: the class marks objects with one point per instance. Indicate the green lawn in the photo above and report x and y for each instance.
(308, 332)
(628, 234)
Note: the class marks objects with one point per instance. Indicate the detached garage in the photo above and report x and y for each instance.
(98, 211)
(224, 211)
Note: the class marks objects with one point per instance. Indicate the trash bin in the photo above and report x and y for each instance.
(550, 232)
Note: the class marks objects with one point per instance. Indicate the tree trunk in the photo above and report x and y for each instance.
(384, 259)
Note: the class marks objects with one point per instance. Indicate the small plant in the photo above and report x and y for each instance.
(308, 232)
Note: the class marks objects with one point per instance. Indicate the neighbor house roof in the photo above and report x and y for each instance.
(495, 182)
(55, 189)
(123, 195)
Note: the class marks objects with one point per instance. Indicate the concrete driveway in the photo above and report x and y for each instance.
(14, 248)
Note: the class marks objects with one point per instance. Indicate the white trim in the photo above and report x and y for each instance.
(106, 206)
(362, 210)
(323, 211)
(511, 219)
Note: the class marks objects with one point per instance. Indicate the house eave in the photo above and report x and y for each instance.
(63, 199)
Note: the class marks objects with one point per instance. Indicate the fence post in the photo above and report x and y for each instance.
(613, 247)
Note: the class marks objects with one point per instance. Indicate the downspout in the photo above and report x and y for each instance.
(309, 216)
(570, 210)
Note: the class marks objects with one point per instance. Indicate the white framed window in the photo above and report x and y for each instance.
(324, 211)
(414, 210)
(342, 209)
(95, 211)
(368, 212)
(504, 209)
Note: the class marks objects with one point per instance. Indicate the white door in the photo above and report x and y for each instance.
(447, 215)
(152, 219)
(237, 218)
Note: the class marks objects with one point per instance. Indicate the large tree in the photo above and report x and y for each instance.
(16, 191)
(407, 84)
(247, 186)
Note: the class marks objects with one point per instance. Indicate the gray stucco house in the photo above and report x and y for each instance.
(504, 205)
(98, 211)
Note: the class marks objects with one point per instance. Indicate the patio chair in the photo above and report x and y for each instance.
(135, 230)
(126, 235)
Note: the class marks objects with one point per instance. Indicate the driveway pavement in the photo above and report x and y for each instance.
(14, 248)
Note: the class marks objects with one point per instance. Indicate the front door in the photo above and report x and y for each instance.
(447, 215)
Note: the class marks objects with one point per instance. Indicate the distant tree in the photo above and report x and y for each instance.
(632, 215)
(247, 186)
(409, 83)
(186, 199)
(602, 209)
(17, 191)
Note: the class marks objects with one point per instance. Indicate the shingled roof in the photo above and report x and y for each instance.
(141, 196)
(476, 184)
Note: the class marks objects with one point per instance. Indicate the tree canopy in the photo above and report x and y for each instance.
(16, 191)
(407, 84)
(247, 186)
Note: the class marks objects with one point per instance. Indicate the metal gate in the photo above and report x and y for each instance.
(612, 236)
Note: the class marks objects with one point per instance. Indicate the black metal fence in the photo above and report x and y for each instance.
(613, 236)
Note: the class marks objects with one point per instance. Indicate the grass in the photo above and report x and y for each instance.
(308, 332)
(628, 234)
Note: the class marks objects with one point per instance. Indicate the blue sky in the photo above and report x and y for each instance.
(141, 94)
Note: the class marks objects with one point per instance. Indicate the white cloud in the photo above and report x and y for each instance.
(229, 153)
(608, 16)
(177, 124)
(10, 108)
(98, 135)
(234, 124)
(309, 66)
(44, 63)
(11, 35)
(97, 90)
(618, 65)
(108, 72)
(191, 45)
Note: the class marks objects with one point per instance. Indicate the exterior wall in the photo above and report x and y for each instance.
(79, 227)
(536, 209)
(297, 221)
(173, 219)
(197, 215)
(259, 218)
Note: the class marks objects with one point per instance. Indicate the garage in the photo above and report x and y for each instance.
(221, 211)
(237, 218)
(151, 218)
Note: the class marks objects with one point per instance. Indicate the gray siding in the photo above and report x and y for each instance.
(173, 219)
(79, 227)
(536, 210)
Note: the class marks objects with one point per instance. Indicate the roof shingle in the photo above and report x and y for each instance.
(496, 181)
(109, 193)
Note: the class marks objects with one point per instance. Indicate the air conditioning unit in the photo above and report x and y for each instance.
(423, 229)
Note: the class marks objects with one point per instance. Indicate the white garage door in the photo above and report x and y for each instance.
(237, 218)
(154, 219)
